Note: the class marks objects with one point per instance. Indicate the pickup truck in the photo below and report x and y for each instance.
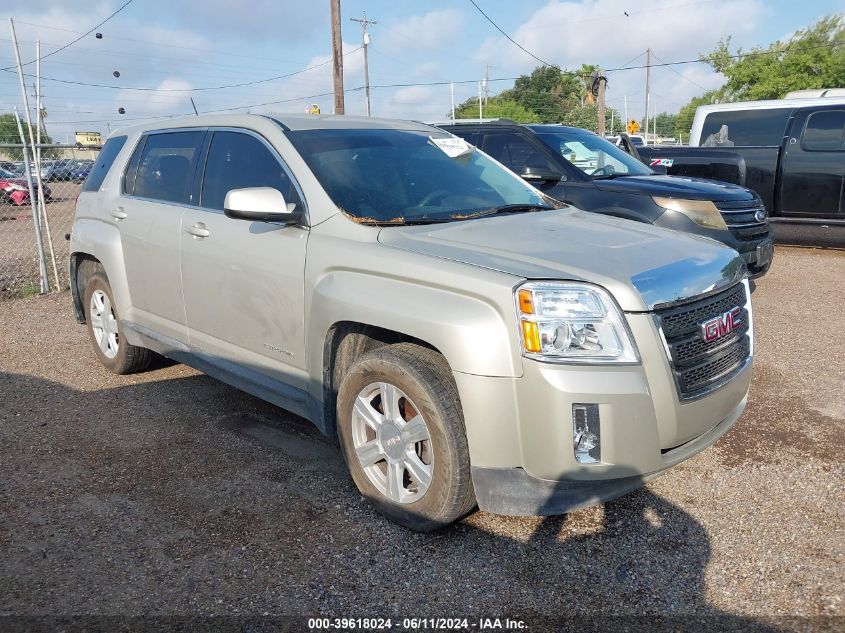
(791, 152)
(469, 340)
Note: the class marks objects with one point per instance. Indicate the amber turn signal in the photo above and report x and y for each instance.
(526, 302)
(531, 336)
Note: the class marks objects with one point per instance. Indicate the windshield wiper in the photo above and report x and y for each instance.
(505, 208)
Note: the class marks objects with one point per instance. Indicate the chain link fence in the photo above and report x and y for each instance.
(62, 176)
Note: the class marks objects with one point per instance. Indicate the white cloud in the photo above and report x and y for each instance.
(413, 95)
(597, 31)
(435, 28)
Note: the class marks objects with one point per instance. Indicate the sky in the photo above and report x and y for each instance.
(169, 51)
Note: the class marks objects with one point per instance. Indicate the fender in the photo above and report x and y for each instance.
(102, 241)
(474, 335)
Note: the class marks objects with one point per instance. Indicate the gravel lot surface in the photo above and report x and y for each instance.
(170, 493)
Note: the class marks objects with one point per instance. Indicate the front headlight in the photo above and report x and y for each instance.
(702, 212)
(572, 323)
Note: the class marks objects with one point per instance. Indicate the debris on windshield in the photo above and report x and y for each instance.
(453, 146)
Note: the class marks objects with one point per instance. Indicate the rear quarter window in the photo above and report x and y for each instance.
(824, 131)
(104, 162)
(739, 128)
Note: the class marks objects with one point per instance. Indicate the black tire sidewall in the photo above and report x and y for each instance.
(98, 281)
(447, 436)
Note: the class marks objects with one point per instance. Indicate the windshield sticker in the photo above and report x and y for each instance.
(662, 162)
(453, 146)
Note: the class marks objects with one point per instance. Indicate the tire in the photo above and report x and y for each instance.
(430, 486)
(115, 353)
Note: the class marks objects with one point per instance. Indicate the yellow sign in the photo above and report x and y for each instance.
(315, 109)
(633, 127)
(89, 138)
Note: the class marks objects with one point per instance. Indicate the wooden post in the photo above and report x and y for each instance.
(337, 57)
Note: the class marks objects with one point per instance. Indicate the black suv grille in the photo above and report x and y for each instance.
(697, 364)
(739, 216)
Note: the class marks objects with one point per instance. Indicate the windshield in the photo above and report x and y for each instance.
(595, 156)
(402, 176)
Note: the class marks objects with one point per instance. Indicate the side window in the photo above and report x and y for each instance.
(729, 128)
(165, 171)
(104, 162)
(824, 131)
(515, 152)
(237, 160)
(469, 137)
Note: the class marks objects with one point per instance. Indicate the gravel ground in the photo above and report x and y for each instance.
(170, 493)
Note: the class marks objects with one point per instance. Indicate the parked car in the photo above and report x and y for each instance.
(81, 170)
(470, 340)
(790, 151)
(15, 189)
(58, 170)
(583, 169)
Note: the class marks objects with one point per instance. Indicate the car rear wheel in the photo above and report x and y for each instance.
(106, 331)
(402, 434)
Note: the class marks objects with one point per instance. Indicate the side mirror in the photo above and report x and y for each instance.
(259, 204)
(540, 174)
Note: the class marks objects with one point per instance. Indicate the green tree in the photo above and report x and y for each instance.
(585, 77)
(587, 117)
(665, 124)
(812, 58)
(9, 134)
(496, 108)
(547, 91)
(683, 120)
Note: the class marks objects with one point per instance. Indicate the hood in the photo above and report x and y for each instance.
(675, 187)
(641, 265)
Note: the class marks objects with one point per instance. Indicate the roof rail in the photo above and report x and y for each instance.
(475, 120)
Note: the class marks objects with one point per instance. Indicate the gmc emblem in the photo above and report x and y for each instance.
(717, 327)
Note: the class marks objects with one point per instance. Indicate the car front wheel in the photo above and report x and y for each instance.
(402, 433)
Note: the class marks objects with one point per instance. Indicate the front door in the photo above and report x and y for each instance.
(243, 281)
(813, 165)
(157, 188)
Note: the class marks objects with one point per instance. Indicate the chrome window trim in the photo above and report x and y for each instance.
(273, 151)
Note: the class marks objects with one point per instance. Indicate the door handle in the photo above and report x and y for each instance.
(198, 230)
(118, 213)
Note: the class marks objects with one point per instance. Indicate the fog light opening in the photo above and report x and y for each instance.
(586, 433)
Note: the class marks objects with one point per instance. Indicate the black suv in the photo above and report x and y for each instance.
(581, 168)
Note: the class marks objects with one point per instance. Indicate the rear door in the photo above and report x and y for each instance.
(244, 281)
(157, 188)
(813, 165)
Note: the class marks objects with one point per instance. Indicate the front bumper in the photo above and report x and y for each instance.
(519, 430)
(512, 491)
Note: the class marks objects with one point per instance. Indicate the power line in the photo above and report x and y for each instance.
(681, 75)
(201, 89)
(72, 42)
(513, 41)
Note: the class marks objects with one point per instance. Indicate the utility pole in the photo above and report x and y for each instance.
(647, 91)
(600, 101)
(480, 104)
(337, 57)
(452, 92)
(366, 39)
(486, 83)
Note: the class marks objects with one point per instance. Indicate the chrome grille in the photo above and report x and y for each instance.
(699, 365)
(739, 216)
